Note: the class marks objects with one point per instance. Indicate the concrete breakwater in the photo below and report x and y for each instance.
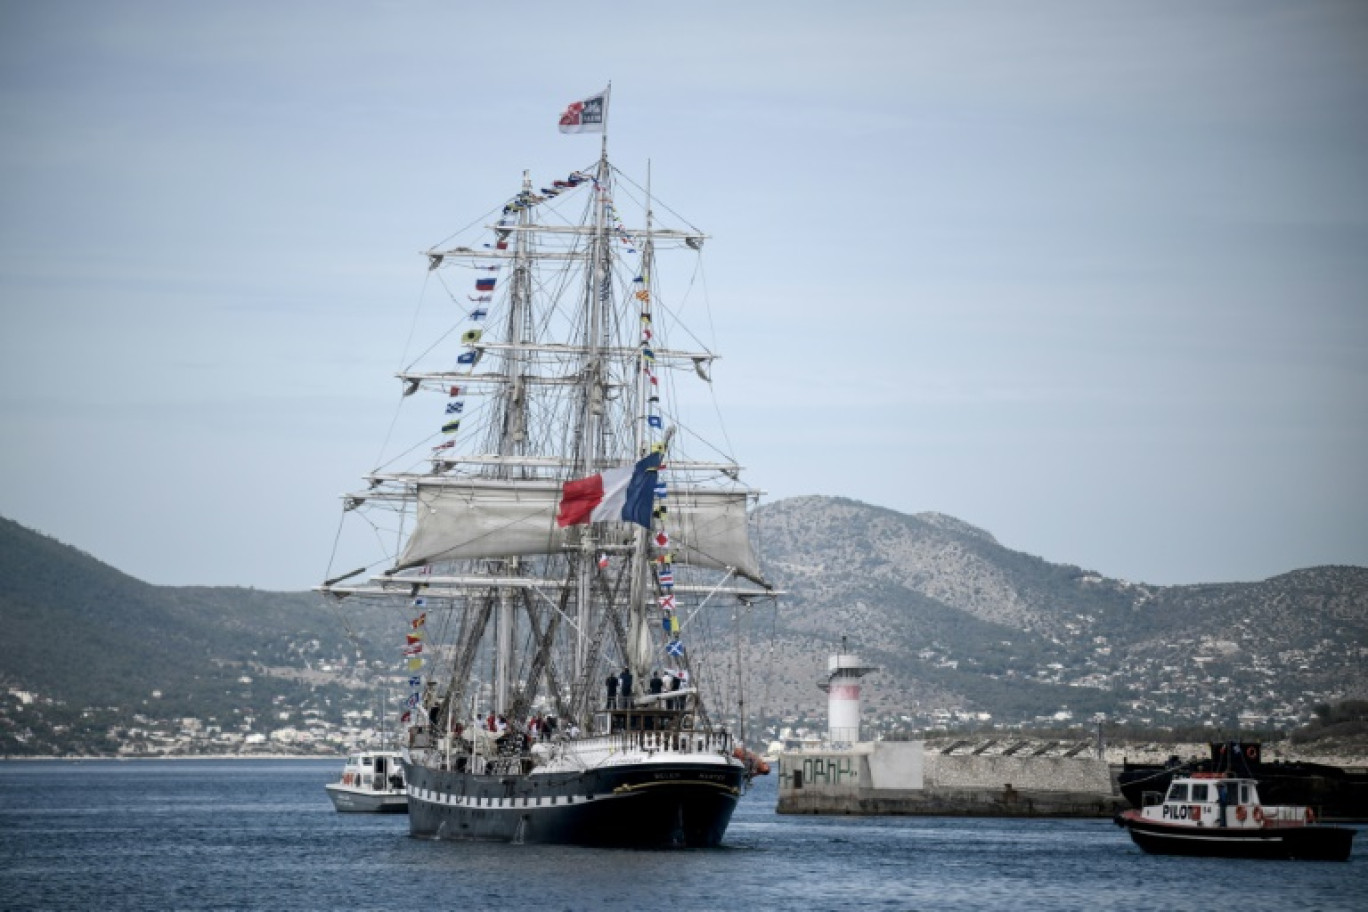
(960, 778)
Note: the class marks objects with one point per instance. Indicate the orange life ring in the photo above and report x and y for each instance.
(1310, 816)
(1197, 812)
(1240, 812)
(1258, 814)
(346, 779)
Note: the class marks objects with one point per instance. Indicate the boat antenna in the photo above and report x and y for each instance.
(607, 96)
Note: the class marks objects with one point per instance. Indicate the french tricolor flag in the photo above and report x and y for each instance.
(624, 494)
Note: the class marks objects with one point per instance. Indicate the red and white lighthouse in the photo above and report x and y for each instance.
(842, 684)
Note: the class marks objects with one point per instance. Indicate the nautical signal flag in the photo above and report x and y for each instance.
(415, 663)
(674, 648)
(469, 357)
(455, 408)
(484, 284)
(622, 493)
(654, 421)
(662, 539)
(419, 621)
(451, 427)
(471, 336)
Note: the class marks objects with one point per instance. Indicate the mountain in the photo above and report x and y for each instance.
(956, 621)
(961, 628)
(101, 648)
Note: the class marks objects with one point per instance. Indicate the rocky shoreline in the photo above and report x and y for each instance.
(1333, 754)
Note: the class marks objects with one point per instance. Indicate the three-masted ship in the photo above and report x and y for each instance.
(562, 548)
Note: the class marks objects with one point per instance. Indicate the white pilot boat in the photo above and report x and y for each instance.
(372, 782)
(1212, 814)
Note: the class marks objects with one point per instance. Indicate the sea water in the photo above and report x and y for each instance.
(259, 834)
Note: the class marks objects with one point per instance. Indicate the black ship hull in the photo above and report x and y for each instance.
(1311, 843)
(637, 805)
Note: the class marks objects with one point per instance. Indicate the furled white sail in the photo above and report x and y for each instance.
(478, 519)
(483, 519)
(710, 529)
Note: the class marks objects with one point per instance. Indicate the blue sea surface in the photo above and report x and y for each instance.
(259, 834)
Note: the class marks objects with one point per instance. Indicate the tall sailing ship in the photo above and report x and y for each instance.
(567, 554)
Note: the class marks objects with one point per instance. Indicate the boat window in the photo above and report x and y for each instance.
(1199, 793)
(1244, 793)
(365, 761)
(1177, 792)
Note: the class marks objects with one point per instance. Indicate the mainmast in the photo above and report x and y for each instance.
(591, 449)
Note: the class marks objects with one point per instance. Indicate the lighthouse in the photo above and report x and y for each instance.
(842, 685)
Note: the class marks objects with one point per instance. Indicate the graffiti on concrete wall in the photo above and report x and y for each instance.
(798, 772)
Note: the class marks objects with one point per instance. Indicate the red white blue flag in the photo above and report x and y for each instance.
(623, 494)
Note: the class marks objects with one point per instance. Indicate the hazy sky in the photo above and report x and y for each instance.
(1090, 275)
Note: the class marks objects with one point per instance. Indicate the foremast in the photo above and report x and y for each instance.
(511, 440)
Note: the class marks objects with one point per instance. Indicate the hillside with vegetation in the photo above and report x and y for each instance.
(965, 630)
(93, 655)
(965, 633)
